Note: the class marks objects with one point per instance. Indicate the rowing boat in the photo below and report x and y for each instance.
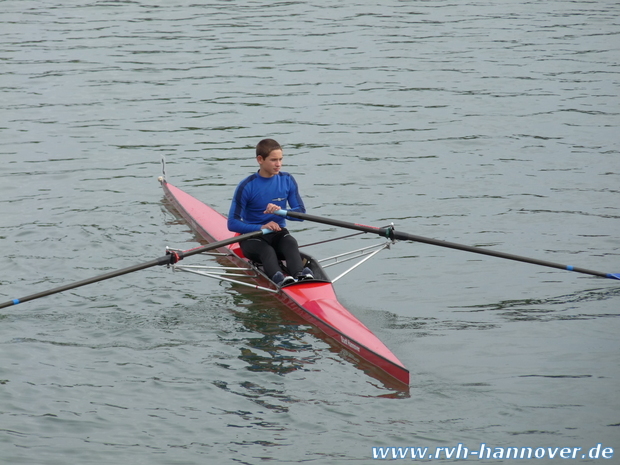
(314, 300)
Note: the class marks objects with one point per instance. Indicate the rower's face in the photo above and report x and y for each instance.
(271, 165)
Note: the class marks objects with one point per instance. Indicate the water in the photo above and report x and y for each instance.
(488, 123)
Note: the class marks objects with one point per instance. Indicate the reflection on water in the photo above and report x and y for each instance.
(432, 326)
(287, 342)
(267, 398)
(564, 307)
(282, 346)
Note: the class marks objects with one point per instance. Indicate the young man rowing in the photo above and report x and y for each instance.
(255, 200)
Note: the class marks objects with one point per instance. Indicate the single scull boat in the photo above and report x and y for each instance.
(314, 300)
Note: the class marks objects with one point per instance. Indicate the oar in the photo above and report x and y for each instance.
(168, 259)
(392, 234)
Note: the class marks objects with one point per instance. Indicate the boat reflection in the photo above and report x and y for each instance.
(288, 343)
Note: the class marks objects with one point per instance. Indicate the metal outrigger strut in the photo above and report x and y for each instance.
(233, 274)
(366, 252)
(224, 273)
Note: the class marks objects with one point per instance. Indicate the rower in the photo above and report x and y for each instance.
(260, 194)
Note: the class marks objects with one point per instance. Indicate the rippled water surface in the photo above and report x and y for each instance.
(490, 123)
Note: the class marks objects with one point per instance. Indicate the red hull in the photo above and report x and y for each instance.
(314, 301)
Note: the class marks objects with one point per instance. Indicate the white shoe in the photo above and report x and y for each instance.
(287, 280)
(306, 273)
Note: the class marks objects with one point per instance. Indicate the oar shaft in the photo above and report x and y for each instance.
(87, 281)
(494, 253)
(165, 260)
(397, 235)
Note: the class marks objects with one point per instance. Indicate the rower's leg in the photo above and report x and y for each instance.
(260, 251)
(288, 249)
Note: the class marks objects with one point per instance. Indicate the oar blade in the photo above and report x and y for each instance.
(614, 276)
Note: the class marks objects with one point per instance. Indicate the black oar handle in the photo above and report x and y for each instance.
(168, 259)
(390, 233)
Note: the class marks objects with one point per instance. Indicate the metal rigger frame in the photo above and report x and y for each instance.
(235, 274)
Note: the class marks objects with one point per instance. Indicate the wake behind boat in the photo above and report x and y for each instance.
(314, 300)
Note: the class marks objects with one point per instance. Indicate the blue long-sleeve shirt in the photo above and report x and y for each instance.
(252, 196)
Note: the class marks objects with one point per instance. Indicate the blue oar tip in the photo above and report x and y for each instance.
(570, 268)
(281, 212)
(16, 301)
(614, 275)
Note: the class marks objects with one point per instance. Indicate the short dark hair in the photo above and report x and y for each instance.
(265, 147)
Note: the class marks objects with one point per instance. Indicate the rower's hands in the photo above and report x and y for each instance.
(272, 208)
(272, 225)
